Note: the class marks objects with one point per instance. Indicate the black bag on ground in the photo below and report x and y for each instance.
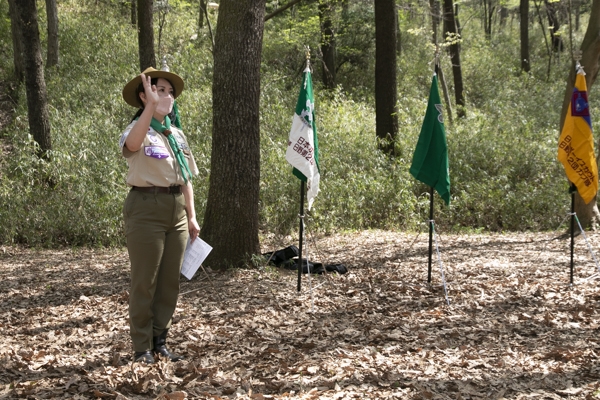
(339, 268)
(282, 256)
(315, 268)
(288, 258)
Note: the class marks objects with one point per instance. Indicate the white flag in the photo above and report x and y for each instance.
(303, 146)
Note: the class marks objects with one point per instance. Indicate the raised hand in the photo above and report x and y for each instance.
(150, 92)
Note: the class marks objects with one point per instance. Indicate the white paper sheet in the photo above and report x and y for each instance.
(195, 254)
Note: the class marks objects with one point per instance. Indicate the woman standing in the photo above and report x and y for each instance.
(159, 210)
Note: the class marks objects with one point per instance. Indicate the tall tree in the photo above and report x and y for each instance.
(504, 13)
(202, 12)
(434, 6)
(577, 10)
(587, 214)
(37, 103)
(453, 37)
(326, 12)
(548, 48)
(53, 53)
(134, 12)
(524, 33)
(231, 216)
(146, 34)
(554, 23)
(15, 29)
(434, 9)
(162, 8)
(489, 8)
(398, 36)
(386, 88)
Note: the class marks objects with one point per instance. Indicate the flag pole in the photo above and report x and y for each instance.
(572, 190)
(301, 234)
(430, 234)
(301, 215)
(436, 69)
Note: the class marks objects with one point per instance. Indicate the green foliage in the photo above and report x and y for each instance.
(286, 39)
(360, 187)
(5, 34)
(503, 167)
(514, 189)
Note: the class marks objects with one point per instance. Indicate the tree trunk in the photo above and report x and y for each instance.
(202, 12)
(146, 34)
(134, 12)
(434, 6)
(386, 91)
(326, 10)
(548, 48)
(52, 13)
(524, 27)
(488, 11)
(37, 103)
(588, 214)
(457, 21)
(577, 7)
(398, 33)
(231, 216)
(503, 15)
(15, 29)
(554, 26)
(162, 10)
(451, 30)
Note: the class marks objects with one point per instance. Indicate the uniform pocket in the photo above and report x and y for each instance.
(129, 205)
(181, 214)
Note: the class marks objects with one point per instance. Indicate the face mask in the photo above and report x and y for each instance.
(165, 105)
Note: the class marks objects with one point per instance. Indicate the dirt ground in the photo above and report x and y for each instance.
(515, 328)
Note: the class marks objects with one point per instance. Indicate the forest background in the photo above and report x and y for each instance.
(503, 167)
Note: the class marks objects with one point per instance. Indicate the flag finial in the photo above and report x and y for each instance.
(577, 54)
(436, 62)
(163, 65)
(307, 54)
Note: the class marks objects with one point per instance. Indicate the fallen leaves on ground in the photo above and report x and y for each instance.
(514, 329)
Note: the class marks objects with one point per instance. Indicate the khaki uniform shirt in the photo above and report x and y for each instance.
(154, 164)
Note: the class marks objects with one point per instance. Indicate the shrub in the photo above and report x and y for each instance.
(503, 164)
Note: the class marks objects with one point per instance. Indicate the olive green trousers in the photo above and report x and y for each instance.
(157, 232)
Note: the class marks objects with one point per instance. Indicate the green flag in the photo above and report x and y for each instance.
(430, 160)
(303, 146)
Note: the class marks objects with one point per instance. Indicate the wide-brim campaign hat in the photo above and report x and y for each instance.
(129, 91)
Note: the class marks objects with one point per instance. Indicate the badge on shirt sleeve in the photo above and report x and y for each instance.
(123, 138)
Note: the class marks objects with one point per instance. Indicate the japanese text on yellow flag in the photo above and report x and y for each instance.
(576, 142)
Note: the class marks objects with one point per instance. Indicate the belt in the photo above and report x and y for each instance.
(158, 189)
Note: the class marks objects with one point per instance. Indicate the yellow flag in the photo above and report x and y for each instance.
(576, 142)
